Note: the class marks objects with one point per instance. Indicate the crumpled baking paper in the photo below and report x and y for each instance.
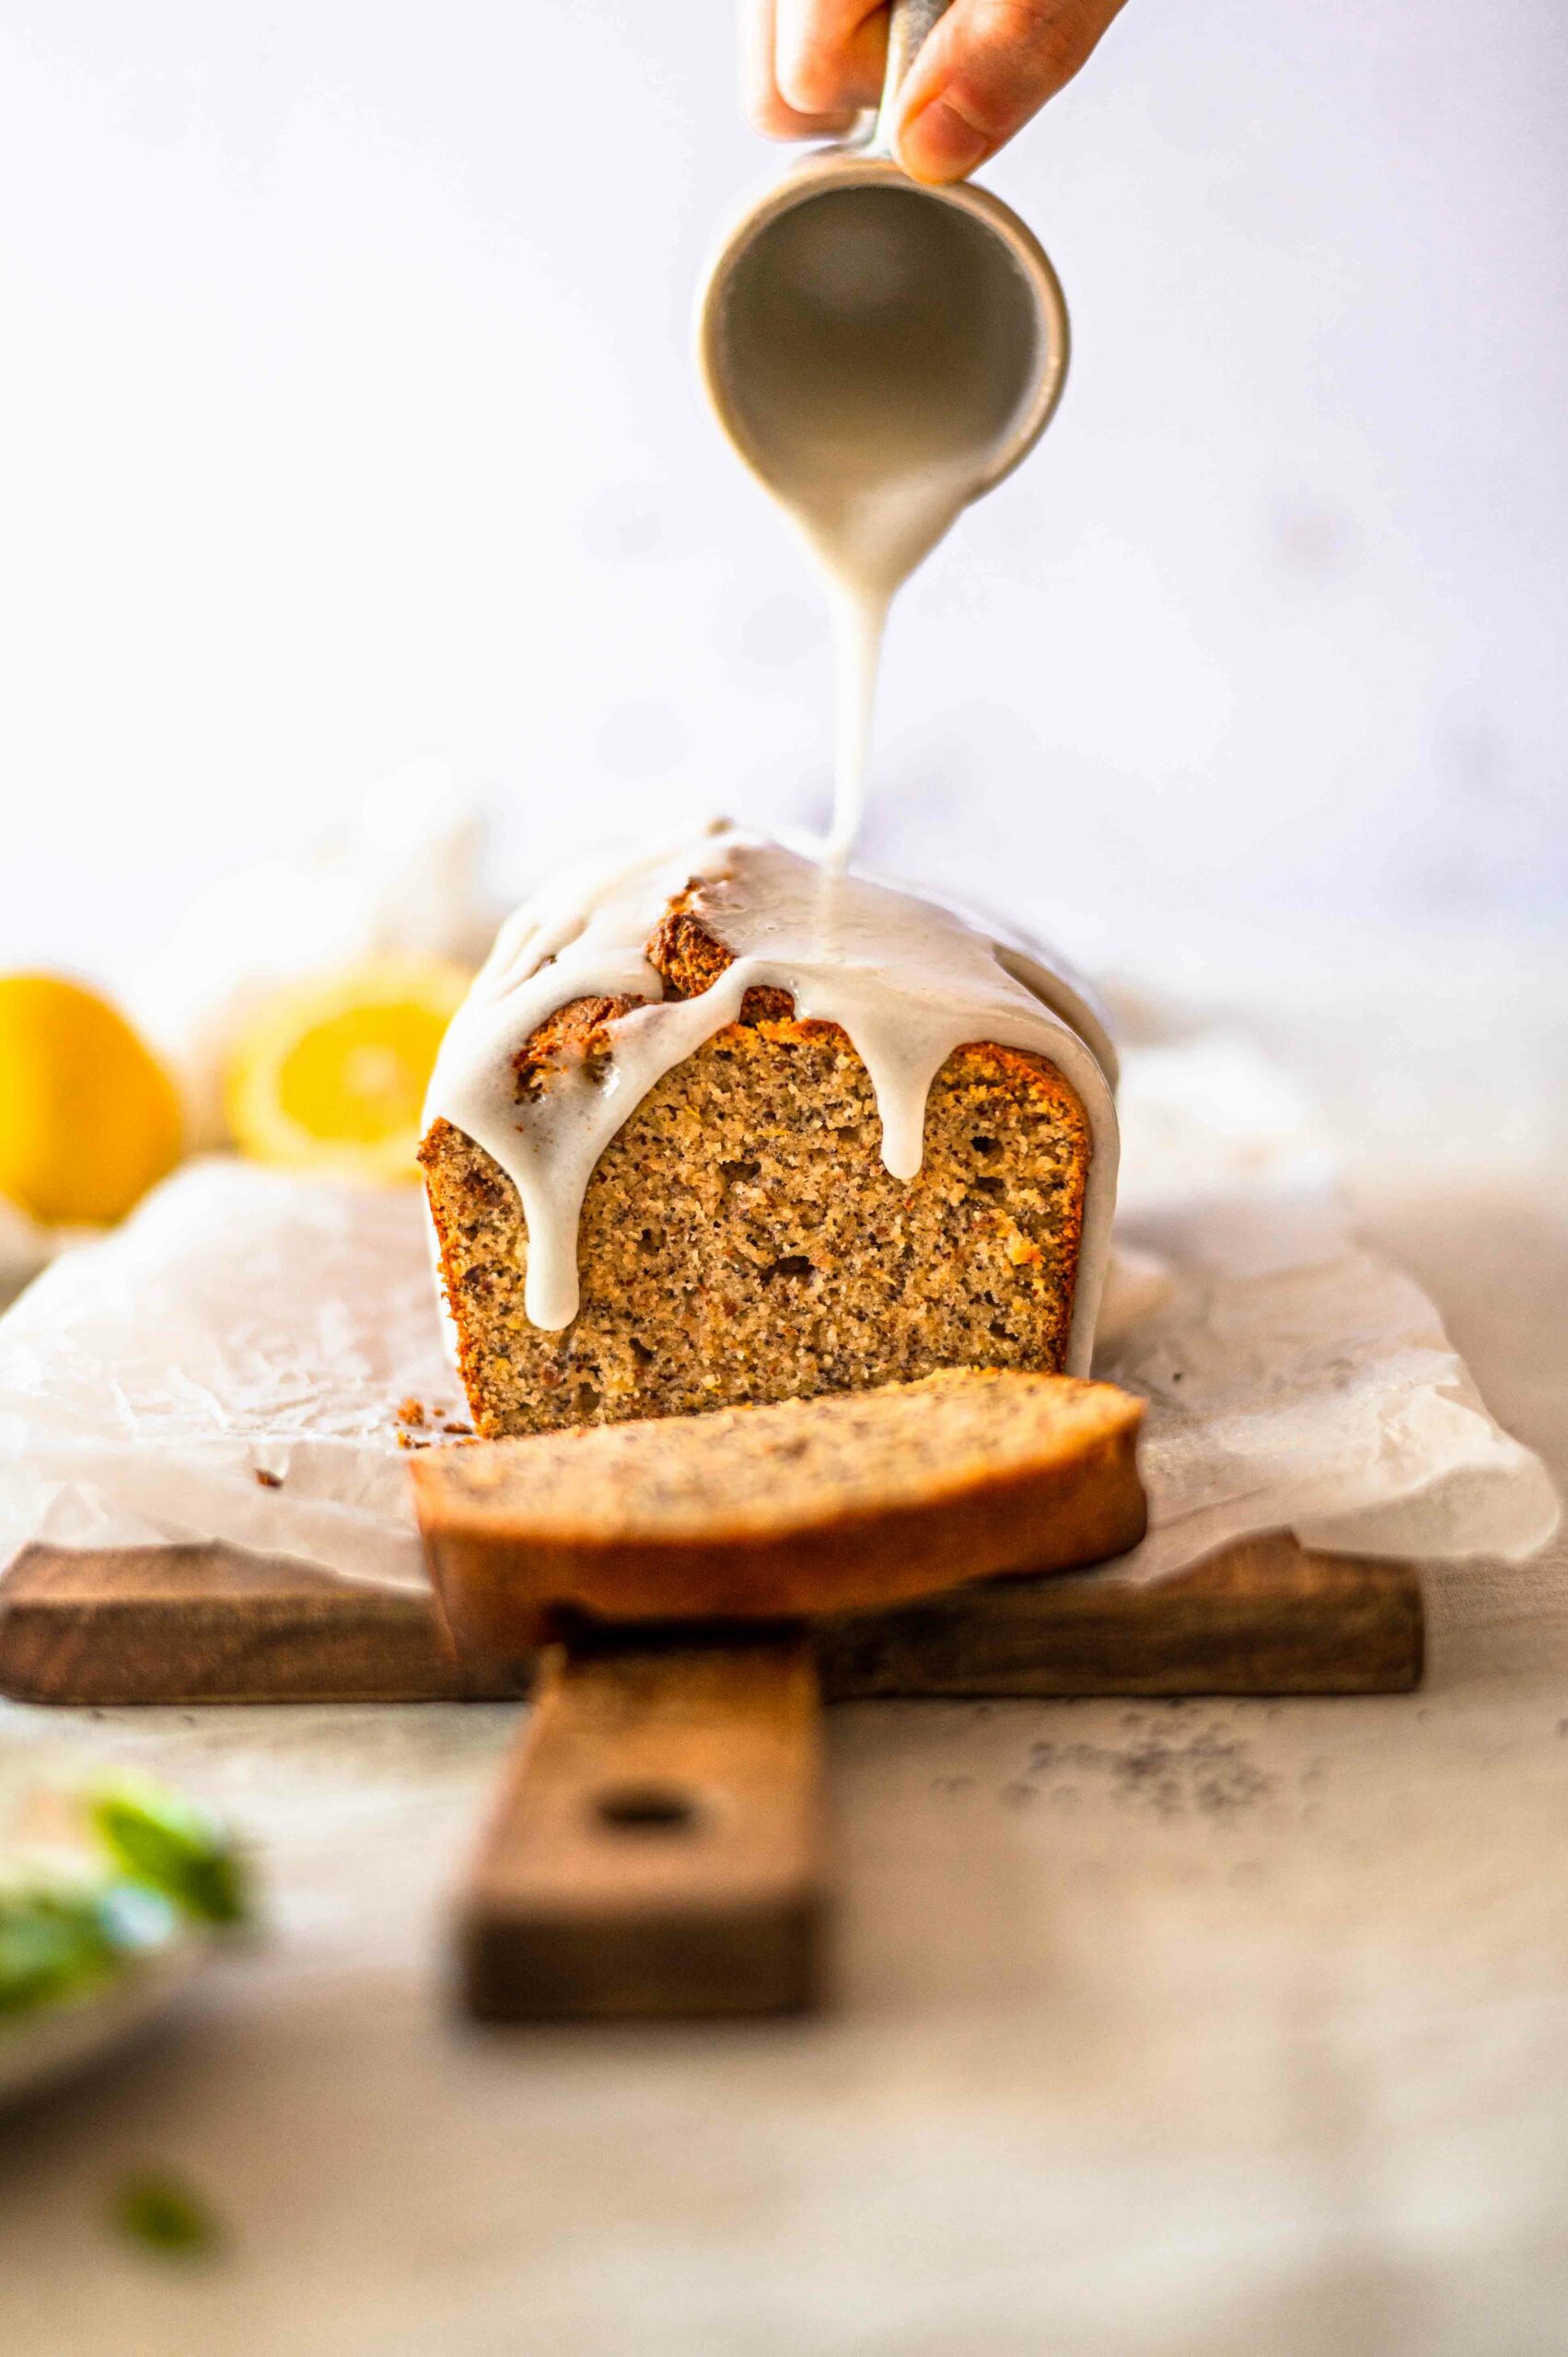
(233, 1364)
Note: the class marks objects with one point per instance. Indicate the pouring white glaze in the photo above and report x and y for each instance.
(879, 355)
(905, 980)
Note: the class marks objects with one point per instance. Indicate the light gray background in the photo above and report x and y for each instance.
(346, 417)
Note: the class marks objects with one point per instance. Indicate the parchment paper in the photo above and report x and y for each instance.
(247, 1324)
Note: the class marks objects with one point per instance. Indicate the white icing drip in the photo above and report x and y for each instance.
(906, 980)
(868, 535)
(859, 624)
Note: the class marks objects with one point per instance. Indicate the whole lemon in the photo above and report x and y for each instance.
(89, 1119)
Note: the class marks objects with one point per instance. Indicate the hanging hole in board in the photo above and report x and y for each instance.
(647, 1808)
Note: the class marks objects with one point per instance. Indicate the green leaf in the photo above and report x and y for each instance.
(165, 2214)
(53, 1944)
(161, 1840)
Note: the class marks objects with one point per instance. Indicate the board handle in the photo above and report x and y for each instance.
(657, 1845)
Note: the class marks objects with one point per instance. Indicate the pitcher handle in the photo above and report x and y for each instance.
(909, 23)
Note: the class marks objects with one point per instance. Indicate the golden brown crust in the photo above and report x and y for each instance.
(682, 951)
(741, 1239)
(512, 1534)
(577, 1033)
(690, 959)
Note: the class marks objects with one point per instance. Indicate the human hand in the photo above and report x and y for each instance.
(809, 66)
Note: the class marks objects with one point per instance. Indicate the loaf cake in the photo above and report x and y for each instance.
(718, 1127)
(845, 1503)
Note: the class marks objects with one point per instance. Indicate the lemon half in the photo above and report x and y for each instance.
(329, 1074)
(89, 1119)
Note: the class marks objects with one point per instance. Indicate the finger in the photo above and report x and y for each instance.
(830, 53)
(986, 69)
(768, 110)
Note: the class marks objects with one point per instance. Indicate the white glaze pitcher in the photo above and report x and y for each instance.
(848, 220)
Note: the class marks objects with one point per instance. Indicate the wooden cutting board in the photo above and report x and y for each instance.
(206, 1624)
(657, 1848)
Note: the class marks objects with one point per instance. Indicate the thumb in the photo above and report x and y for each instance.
(988, 66)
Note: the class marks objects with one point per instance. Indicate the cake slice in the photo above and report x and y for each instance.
(707, 1084)
(843, 1503)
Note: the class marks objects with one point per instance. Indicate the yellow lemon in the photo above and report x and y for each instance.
(330, 1074)
(89, 1119)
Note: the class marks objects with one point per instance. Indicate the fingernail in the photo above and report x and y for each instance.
(938, 144)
